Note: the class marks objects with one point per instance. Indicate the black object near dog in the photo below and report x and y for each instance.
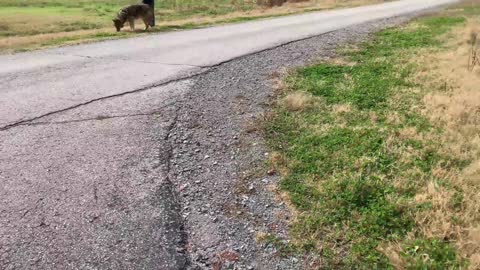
(151, 3)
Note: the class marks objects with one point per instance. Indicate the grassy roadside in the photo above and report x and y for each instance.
(380, 150)
(33, 24)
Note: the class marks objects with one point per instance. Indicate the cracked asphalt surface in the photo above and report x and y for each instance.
(111, 162)
(92, 193)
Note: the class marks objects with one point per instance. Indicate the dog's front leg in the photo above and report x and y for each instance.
(132, 24)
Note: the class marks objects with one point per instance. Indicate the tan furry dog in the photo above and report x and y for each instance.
(131, 13)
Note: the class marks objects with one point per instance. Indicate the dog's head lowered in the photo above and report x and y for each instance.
(119, 21)
(118, 24)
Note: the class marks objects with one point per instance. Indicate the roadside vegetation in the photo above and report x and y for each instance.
(380, 149)
(32, 24)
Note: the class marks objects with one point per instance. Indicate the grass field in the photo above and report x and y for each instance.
(380, 149)
(31, 24)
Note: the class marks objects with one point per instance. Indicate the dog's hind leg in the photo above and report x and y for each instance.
(147, 24)
(132, 24)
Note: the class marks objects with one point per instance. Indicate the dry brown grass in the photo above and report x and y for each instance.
(12, 44)
(298, 101)
(454, 105)
(341, 108)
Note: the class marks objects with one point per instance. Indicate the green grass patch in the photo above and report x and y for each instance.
(350, 174)
(431, 254)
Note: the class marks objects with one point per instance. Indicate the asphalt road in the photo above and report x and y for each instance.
(85, 139)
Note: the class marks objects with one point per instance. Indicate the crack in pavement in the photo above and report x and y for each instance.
(26, 211)
(98, 118)
(208, 69)
(182, 244)
(138, 90)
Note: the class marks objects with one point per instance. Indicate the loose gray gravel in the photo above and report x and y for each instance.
(216, 155)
